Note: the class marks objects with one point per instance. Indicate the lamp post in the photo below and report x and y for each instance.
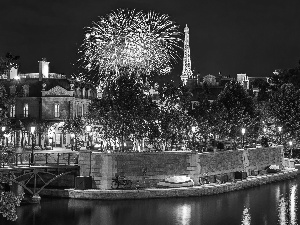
(194, 131)
(88, 129)
(32, 130)
(72, 141)
(243, 135)
(51, 141)
(3, 130)
(291, 147)
(279, 130)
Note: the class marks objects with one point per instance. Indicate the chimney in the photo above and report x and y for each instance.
(12, 73)
(43, 69)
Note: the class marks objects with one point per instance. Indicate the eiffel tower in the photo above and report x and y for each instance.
(186, 71)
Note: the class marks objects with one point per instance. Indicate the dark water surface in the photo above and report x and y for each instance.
(272, 204)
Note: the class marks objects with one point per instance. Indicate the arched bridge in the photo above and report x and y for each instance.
(48, 168)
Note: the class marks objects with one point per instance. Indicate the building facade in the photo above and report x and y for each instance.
(44, 100)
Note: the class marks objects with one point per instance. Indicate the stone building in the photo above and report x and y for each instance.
(44, 100)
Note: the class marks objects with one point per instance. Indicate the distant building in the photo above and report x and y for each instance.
(44, 98)
(209, 86)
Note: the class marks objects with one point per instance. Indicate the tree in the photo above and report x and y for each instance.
(124, 112)
(263, 87)
(284, 109)
(205, 117)
(235, 109)
(76, 126)
(286, 76)
(7, 62)
(8, 200)
(8, 203)
(175, 124)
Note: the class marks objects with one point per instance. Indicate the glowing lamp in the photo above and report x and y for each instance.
(88, 128)
(32, 129)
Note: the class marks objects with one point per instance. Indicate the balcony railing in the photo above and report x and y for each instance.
(36, 75)
(22, 115)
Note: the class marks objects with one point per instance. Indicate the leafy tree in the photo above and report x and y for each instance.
(7, 62)
(235, 109)
(8, 200)
(284, 109)
(263, 87)
(175, 124)
(286, 76)
(205, 117)
(124, 112)
(8, 203)
(76, 126)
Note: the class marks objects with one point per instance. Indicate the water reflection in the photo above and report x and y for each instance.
(282, 211)
(287, 207)
(246, 217)
(183, 214)
(273, 204)
(293, 204)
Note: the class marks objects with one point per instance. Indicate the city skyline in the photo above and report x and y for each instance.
(237, 37)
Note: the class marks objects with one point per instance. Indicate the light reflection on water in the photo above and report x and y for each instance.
(273, 204)
(282, 211)
(246, 220)
(183, 214)
(293, 204)
(287, 207)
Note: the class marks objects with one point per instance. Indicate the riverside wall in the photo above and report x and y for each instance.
(152, 168)
(195, 191)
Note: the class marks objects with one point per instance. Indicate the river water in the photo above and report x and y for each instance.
(272, 204)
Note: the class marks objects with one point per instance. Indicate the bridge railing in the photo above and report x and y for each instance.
(39, 158)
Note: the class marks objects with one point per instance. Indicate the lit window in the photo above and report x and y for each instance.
(82, 110)
(56, 110)
(25, 110)
(12, 112)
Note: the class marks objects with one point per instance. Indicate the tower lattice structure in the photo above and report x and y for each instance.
(186, 71)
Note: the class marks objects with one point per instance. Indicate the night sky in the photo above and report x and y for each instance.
(250, 36)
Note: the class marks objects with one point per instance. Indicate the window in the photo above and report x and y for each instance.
(82, 110)
(25, 110)
(12, 112)
(56, 110)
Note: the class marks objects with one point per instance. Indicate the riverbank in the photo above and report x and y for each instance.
(203, 190)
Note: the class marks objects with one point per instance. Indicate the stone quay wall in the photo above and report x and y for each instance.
(151, 168)
(195, 191)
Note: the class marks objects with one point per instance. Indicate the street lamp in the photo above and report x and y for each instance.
(32, 130)
(243, 134)
(51, 140)
(291, 144)
(72, 141)
(279, 130)
(194, 131)
(3, 129)
(88, 130)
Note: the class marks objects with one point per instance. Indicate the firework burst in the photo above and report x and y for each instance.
(143, 42)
